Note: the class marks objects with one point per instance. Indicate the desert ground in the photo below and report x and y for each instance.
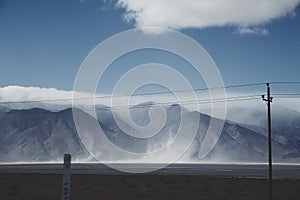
(48, 186)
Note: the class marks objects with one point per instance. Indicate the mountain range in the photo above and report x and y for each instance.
(41, 135)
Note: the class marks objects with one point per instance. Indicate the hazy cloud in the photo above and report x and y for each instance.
(82, 1)
(19, 93)
(181, 14)
(253, 31)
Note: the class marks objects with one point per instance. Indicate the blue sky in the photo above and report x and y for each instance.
(43, 43)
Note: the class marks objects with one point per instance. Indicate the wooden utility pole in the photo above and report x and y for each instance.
(269, 101)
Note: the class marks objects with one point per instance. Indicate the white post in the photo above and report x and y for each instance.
(65, 193)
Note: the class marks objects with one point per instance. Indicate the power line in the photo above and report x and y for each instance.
(285, 82)
(245, 85)
(133, 95)
(287, 96)
(156, 93)
(199, 102)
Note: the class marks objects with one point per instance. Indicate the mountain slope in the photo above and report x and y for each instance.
(38, 135)
(41, 135)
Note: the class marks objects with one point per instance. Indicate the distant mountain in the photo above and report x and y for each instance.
(38, 135)
(42, 135)
(281, 117)
(30, 105)
(3, 109)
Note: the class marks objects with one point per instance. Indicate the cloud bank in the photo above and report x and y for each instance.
(182, 14)
(32, 96)
(19, 93)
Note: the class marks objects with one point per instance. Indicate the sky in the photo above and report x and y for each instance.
(44, 42)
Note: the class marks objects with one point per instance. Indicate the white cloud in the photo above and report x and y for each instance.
(18, 97)
(19, 93)
(181, 14)
(24, 94)
(253, 31)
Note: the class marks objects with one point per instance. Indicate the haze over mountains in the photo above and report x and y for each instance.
(32, 135)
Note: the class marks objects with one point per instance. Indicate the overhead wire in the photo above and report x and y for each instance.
(133, 95)
(188, 102)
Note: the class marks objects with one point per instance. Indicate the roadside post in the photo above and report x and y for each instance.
(65, 192)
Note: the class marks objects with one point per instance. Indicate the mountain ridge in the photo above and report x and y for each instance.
(42, 135)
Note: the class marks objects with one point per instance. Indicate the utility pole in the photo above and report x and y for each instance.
(268, 100)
